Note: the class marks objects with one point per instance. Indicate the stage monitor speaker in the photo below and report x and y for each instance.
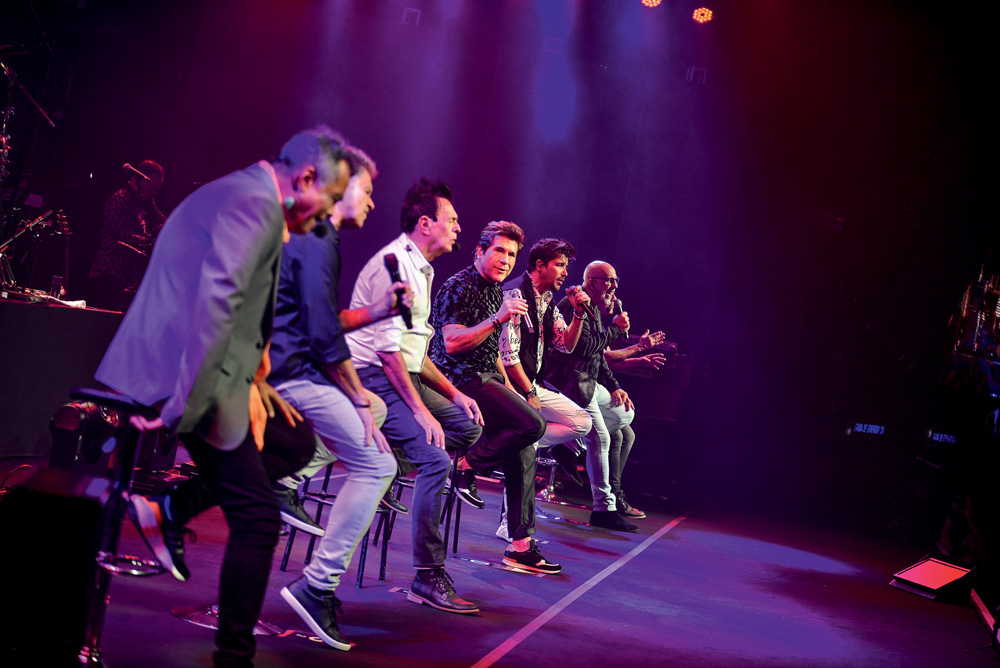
(51, 528)
(935, 577)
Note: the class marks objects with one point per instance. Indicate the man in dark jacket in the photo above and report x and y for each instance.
(583, 376)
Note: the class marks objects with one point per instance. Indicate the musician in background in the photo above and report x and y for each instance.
(131, 222)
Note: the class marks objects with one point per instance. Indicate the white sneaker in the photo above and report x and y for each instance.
(502, 532)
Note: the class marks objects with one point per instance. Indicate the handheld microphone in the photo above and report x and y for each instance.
(618, 309)
(586, 305)
(129, 169)
(392, 264)
(516, 292)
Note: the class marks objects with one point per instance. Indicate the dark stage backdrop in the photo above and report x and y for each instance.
(795, 192)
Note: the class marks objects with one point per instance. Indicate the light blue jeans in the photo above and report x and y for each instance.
(607, 420)
(369, 473)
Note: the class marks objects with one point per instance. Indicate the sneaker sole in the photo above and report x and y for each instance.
(311, 623)
(144, 518)
(533, 569)
(294, 521)
(469, 502)
(416, 598)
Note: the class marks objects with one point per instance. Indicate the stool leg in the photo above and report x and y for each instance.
(131, 441)
(363, 557)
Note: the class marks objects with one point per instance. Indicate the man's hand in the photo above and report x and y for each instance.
(512, 306)
(535, 403)
(577, 298)
(432, 428)
(651, 361)
(271, 399)
(372, 433)
(142, 424)
(620, 398)
(470, 407)
(647, 340)
(622, 321)
(390, 303)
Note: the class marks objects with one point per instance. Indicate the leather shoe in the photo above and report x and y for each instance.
(390, 502)
(467, 490)
(434, 587)
(625, 509)
(609, 519)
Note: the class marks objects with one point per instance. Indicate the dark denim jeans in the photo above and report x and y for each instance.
(403, 431)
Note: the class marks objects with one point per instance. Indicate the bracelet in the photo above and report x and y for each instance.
(580, 316)
(533, 392)
(496, 322)
(368, 405)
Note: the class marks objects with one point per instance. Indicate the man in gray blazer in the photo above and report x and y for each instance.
(193, 340)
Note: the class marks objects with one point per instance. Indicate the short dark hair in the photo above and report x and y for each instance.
(422, 200)
(358, 159)
(151, 169)
(549, 249)
(500, 228)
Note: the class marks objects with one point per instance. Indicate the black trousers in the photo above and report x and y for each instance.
(512, 428)
(240, 483)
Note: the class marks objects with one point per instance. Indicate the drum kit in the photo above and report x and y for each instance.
(975, 329)
(29, 229)
(973, 358)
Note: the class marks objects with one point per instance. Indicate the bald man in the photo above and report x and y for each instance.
(583, 375)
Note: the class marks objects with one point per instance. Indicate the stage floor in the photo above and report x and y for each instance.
(693, 589)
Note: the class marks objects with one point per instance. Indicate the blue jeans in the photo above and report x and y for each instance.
(369, 472)
(403, 430)
(607, 420)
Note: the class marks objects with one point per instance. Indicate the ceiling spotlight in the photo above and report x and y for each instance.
(702, 15)
(652, 3)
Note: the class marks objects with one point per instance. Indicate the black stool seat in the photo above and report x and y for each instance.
(113, 399)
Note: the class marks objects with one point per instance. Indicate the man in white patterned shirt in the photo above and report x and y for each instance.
(525, 340)
(425, 412)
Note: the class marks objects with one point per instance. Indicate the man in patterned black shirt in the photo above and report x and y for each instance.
(469, 311)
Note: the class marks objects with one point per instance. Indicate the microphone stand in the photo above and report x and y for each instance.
(6, 272)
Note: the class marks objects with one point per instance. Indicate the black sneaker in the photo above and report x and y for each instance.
(566, 459)
(390, 502)
(434, 587)
(164, 538)
(292, 512)
(467, 490)
(529, 560)
(318, 609)
(609, 519)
